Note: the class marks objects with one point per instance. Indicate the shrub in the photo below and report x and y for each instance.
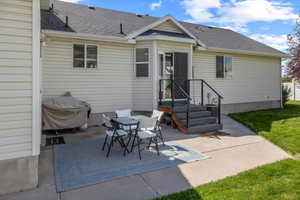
(286, 93)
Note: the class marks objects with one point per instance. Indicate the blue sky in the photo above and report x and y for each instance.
(268, 21)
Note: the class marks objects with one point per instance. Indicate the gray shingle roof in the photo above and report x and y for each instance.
(102, 21)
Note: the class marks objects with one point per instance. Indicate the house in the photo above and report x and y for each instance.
(114, 60)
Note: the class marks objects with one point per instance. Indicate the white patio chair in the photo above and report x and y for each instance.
(158, 129)
(146, 130)
(114, 133)
(123, 113)
(126, 113)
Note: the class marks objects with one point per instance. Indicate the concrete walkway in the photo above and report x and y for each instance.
(229, 155)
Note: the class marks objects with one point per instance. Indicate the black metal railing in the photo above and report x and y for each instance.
(190, 91)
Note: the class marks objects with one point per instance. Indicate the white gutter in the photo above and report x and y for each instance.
(166, 38)
(256, 53)
(87, 36)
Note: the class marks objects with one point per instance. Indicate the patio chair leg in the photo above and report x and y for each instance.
(104, 144)
(122, 142)
(133, 143)
(139, 148)
(119, 139)
(110, 145)
(150, 141)
(156, 145)
(161, 137)
(126, 147)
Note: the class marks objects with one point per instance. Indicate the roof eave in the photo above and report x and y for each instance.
(87, 36)
(166, 38)
(245, 52)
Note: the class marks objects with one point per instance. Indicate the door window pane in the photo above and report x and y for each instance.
(161, 64)
(169, 64)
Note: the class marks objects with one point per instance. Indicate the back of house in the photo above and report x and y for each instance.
(116, 60)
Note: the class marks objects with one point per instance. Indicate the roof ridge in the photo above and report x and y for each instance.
(130, 13)
(108, 9)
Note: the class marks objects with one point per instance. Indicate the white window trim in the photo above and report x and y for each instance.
(85, 56)
(148, 62)
(225, 76)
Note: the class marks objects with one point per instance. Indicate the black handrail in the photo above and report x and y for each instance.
(217, 93)
(182, 91)
(176, 88)
(203, 82)
(188, 98)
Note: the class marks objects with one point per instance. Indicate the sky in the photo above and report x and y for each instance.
(268, 21)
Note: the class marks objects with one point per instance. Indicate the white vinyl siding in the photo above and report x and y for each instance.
(165, 46)
(254, 78)
(107, 88)
(168, 26)
(15, 78)
(143, 87)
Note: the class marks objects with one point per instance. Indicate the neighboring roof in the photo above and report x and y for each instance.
(106, 22)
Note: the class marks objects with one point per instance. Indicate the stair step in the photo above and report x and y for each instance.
(204, 128)
(193, 114)
(200, 121)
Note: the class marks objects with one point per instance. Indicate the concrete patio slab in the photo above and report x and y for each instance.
(229, 155)
(132, 187)
(46, 171)
(221, 164)
(46, 192)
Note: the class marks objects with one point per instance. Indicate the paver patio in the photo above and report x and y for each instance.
(229, 155)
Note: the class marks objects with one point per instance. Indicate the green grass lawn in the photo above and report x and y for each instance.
(277, 181)
(280, 126)
(280, 180)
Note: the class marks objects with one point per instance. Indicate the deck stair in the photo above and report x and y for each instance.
(200, 119)
(189, 117)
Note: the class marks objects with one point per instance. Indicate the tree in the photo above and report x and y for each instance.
(294, 51)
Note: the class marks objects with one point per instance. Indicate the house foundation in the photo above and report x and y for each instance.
(18, 174)
(250, 106)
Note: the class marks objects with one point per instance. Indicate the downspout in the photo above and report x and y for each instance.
(155, 74)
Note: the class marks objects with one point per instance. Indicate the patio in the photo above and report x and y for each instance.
(228, 155)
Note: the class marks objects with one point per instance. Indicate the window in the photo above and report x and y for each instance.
(223, 67)
(85, 56)
(142, 62)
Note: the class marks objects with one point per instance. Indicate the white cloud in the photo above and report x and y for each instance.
(155, 5)
(237, 14)
(276, 41)
(71, 1)
(199, 10)
(246, 11)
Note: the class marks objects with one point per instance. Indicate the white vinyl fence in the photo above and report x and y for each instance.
(295, 90)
